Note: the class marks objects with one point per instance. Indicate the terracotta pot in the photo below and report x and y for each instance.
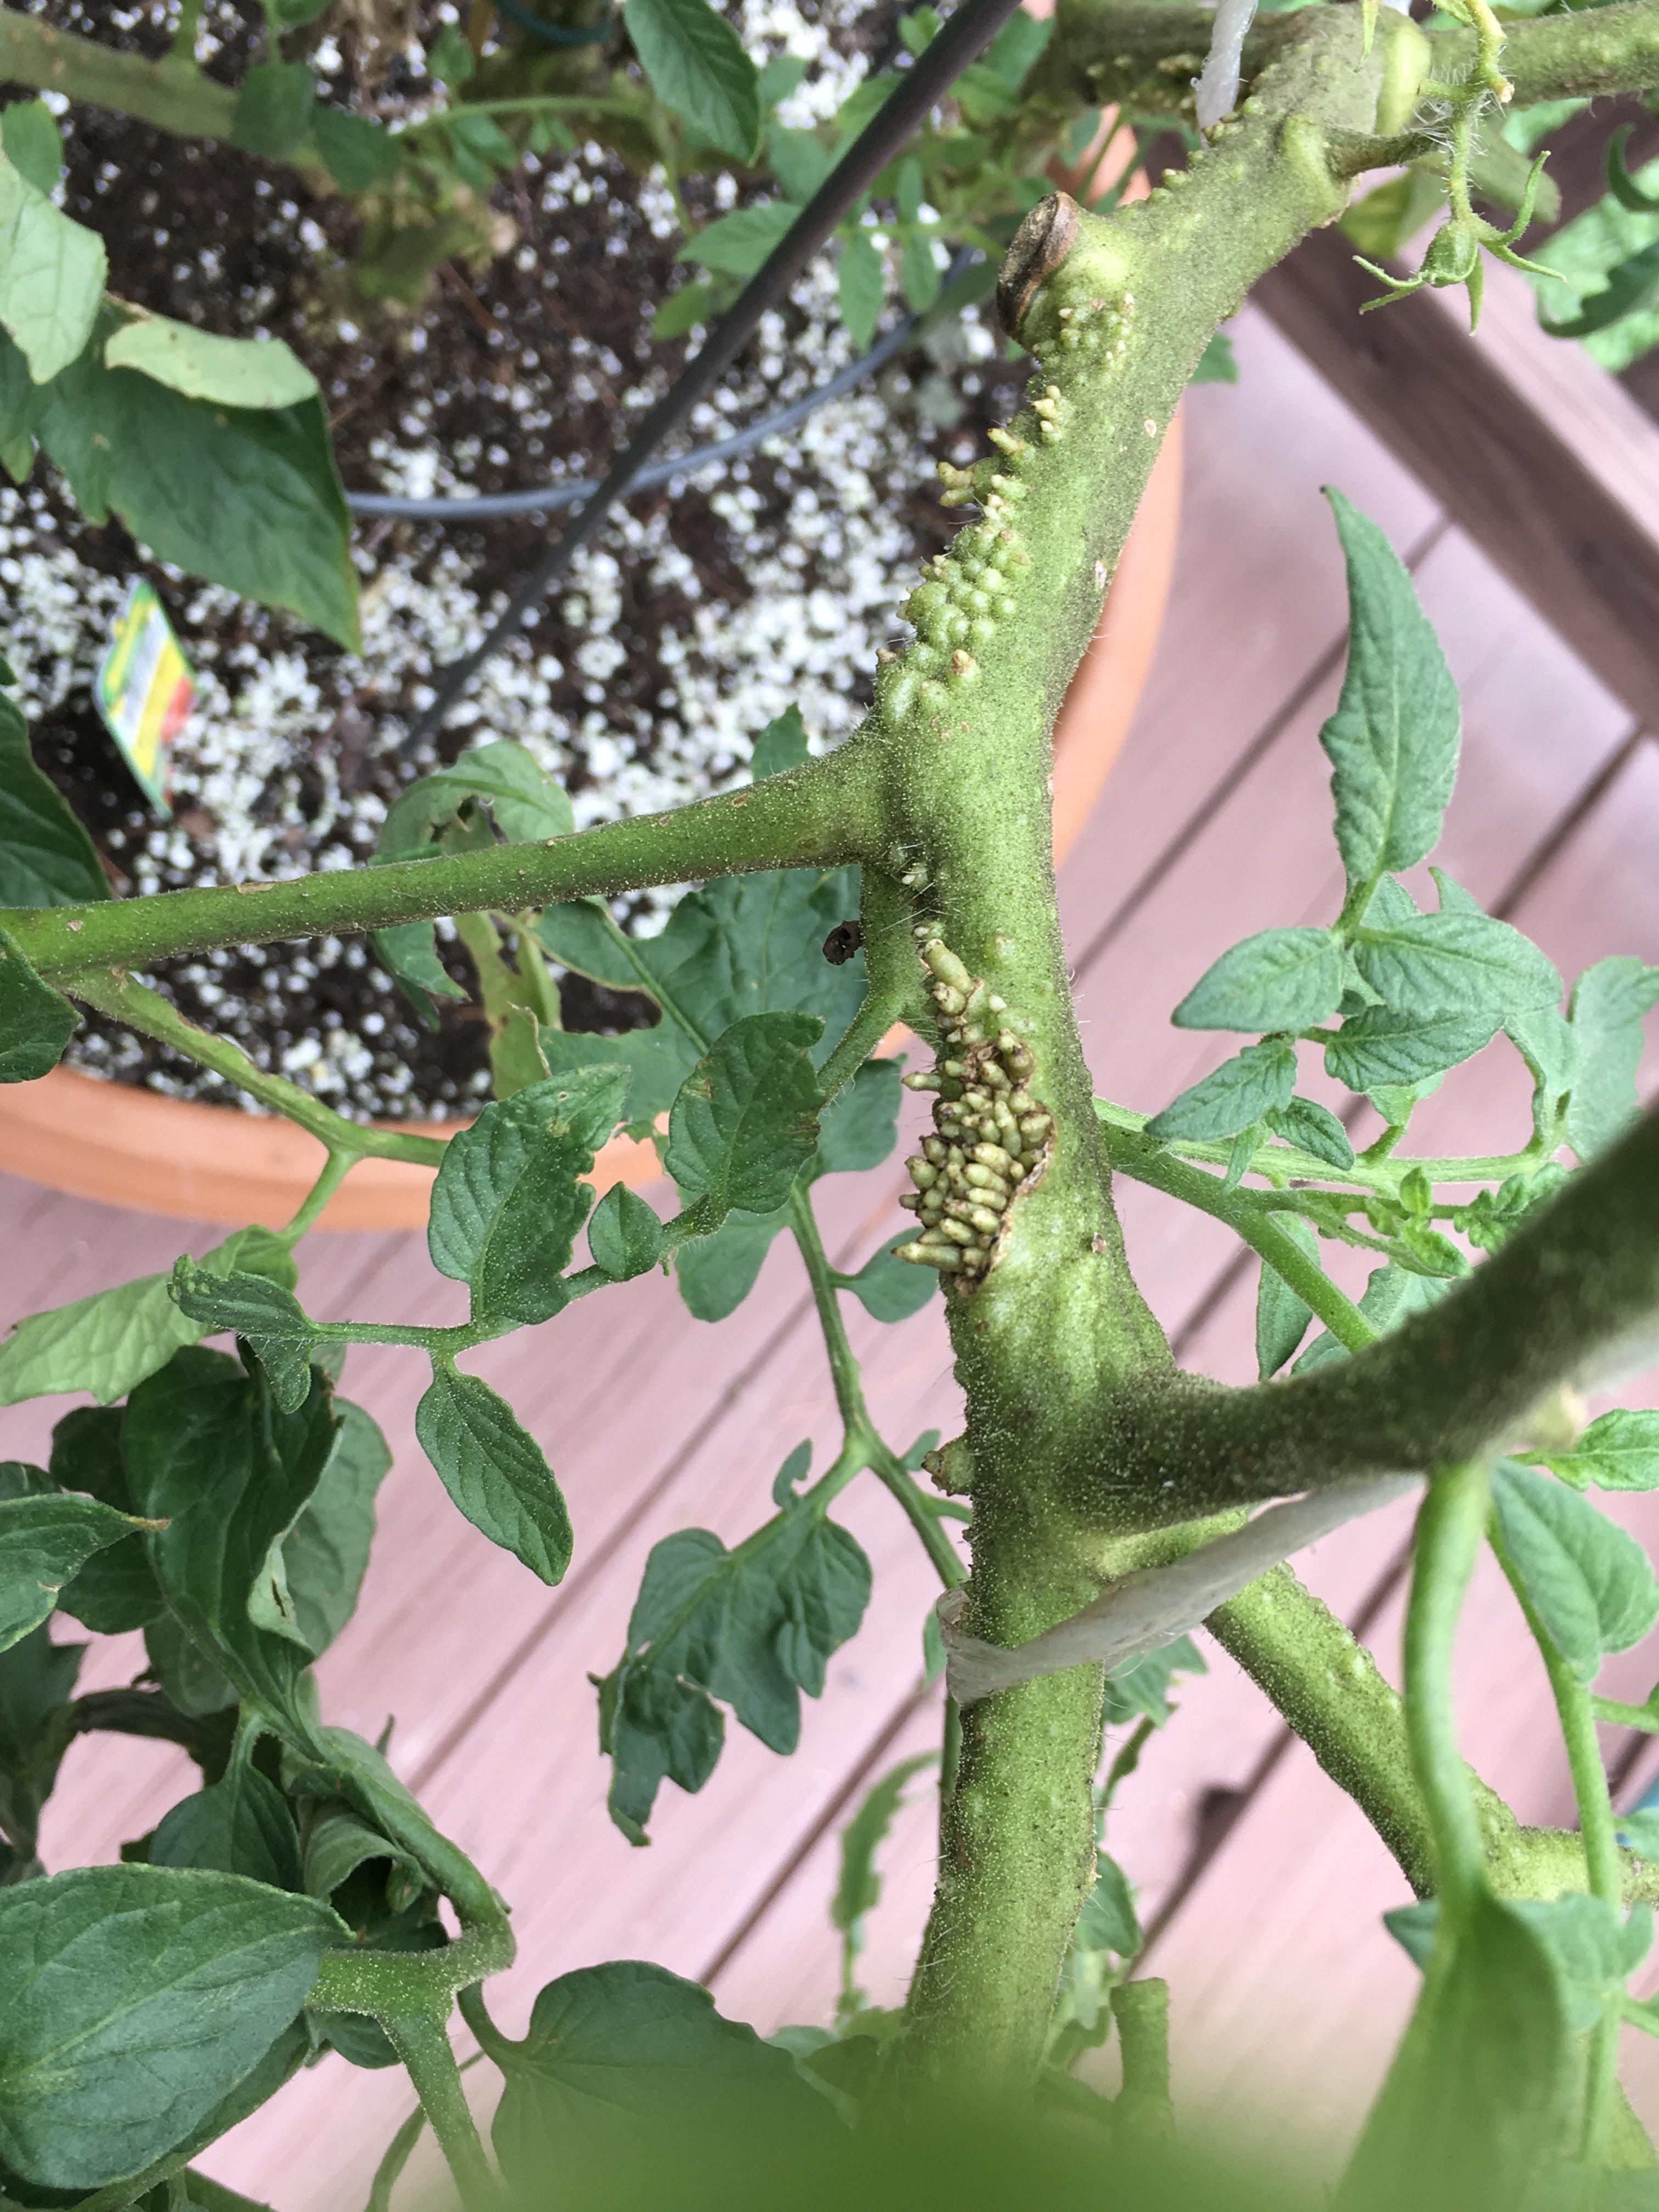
(125, 1146)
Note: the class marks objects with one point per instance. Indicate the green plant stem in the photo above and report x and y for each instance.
(1141, 2013)
(126, 999)
(1127, 1760)
(826, 812)
(183, 47)
(176, 98)
(921, 1513)
(1283, 1164)
(874, 1017)
(336, 1168)
(530, 104)
(421, 2041)
(1622, 1715)
(492, 2043)
(843, 1361)
(1460, 1380)
(399, 2152)
(1450, 1524)
(1596, 1826)
(1244, 1212)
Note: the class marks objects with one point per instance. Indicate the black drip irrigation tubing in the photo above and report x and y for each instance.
(917, 92)
(484, 507)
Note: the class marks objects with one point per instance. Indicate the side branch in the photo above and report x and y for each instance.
(173, 96)
(1147, 56)
(1574, 1296)
(821, 815)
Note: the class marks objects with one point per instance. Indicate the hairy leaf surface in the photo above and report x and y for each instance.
(495, 1470)
(1394, 737)
(139, 1998)
(1281, 979)
(1591, 1584)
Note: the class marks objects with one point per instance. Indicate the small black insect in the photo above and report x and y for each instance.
(842, 942)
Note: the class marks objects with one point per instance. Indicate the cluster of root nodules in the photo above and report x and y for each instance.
(990, 1136)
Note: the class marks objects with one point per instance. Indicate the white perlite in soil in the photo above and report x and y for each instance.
(290, 757)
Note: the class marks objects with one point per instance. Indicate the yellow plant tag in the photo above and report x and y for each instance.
(145, 689)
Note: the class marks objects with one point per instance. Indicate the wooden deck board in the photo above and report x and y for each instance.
(1216, 822)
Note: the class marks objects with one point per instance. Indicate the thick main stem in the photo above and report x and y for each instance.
(1118, 313)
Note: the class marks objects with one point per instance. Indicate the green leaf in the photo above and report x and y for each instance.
(516, 1059)
(859, 1128)
(209, 1452)
(1590, 1584)
(409, 953)
(495, 1470)
(753, 1627)
(325, 1552)
(616, 2049)
(37, 1679)
(1257, 1082)
(861, 284)
(247, 497)
(697, 66)
(919, 272)
(34, 143)
(1609, 1001)
(781, 746)
(52, 276)
(267, 1314)
(625, 1235)
(1455, 962)
(890, 1289)
(653, 1728)
(1141, 1690)
(1640, 1831)
(508, 1200)
(1281, 1317)
(450, 58)
(1391, 1296)
(1393, 739)
(480, 149)
(1619, 1452)
(338, 1842)
(1546, 1041)
(780, 78)
(656, 1061)
(116, 1591)
(716, 1273)
(1381, 1046)
(357, 153)
(36, 1022)
(737, 244)
(799, 161)
(43, 1542)
(139, 1998)
(46, 857)
(684, 309)
(240, 1824)
(231, 372)
(1217, 363)
(1475, 2094)
(528, 804)
(745, 1121)
(273, 110)
(1314, 1128)
(109, 1342)
(1109, 1921)
(1385, 220)
(857, 1886)
(189, 1677)
(1281, 979)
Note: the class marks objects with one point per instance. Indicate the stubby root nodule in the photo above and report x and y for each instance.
(990, 1136)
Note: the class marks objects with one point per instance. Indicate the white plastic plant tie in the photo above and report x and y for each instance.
(1141, 1611)
(1218, 87)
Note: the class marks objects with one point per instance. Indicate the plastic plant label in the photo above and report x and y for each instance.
(145, 690)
